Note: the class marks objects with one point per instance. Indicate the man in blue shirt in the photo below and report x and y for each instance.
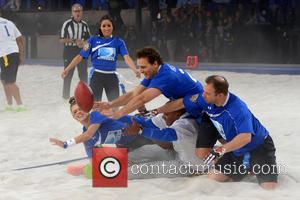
(160, 78)
(247, 146)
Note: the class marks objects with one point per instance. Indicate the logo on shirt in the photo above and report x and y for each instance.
(86, 46)
(194, 98)
(220, 129)
(113, 137)
(172, 68)
(101, 45)
(107, 53)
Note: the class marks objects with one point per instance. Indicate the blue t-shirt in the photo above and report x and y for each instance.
(109, 132)
(230, 120)
(173, 82)
(104, 52)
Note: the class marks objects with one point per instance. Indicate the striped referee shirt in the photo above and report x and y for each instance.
(75, 30)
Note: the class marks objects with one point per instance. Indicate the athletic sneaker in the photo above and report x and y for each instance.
(21, 109)
(87, 171)
(9, 108)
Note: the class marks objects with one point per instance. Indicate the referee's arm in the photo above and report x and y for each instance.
(66, 40)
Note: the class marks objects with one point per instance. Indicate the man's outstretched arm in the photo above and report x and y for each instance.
(171, 106)
(125, 98)
(137, 101)
(121, 100)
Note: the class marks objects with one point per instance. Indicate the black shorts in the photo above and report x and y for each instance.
(208, 134)
(108, 82)
(9, 67)
(262, 163)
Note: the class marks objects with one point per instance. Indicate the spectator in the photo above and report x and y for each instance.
(154, 10)
(2, 3)
(131, 38)
(100, 5)
(209, 39)
(185, 3)
(131, 4)
(219, 41)
(114, 9)
(81, 2)
(170, 35)
(13, 5)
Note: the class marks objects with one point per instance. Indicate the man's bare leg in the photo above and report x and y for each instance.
(8, 95)
(15, 91)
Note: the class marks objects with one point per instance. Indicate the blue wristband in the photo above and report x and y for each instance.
(65, 145)
(69, 143)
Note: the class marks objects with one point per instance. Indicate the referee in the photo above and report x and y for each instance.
(73, 33)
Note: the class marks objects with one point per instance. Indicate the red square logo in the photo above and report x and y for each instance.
(110, 167)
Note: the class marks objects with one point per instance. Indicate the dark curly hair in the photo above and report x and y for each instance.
(151, 54)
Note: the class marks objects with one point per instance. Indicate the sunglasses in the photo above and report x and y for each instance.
(72, 101)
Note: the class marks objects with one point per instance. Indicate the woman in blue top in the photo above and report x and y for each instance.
(97, 129)
(104, 50)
